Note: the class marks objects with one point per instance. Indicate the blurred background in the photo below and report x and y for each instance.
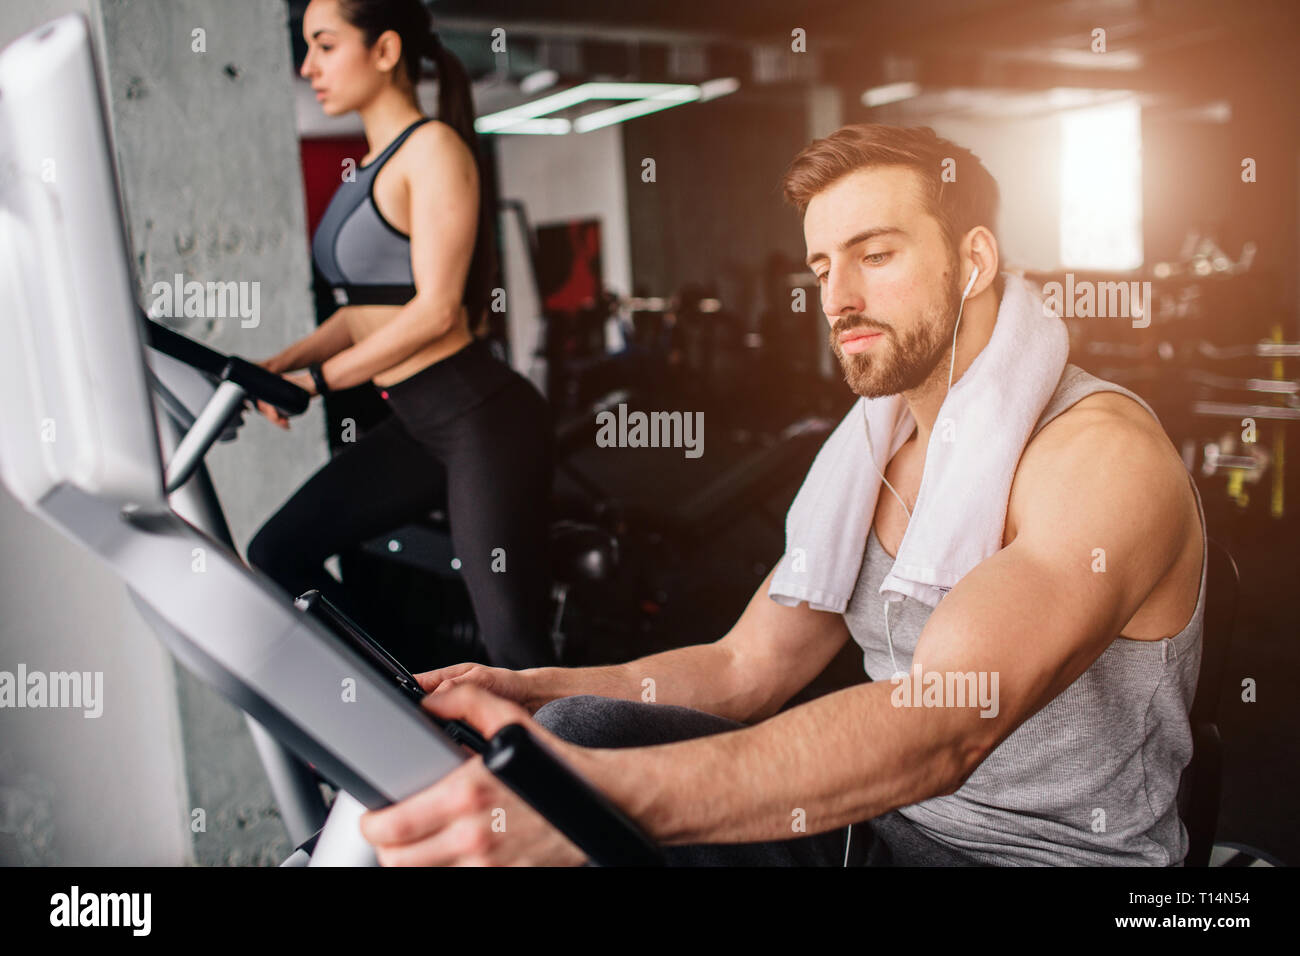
(649, 260)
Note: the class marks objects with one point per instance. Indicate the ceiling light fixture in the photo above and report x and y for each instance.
(641, 98)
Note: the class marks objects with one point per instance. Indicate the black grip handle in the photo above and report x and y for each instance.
(253, 379)
(267, 386)
(573, 806)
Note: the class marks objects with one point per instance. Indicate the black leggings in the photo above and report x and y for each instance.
(470, 436)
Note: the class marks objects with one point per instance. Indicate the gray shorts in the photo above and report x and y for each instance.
(887, 840)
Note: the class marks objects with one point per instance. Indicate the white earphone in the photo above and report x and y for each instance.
(975, 274)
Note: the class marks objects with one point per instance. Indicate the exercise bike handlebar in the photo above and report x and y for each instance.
(574, 807)
(253, 379)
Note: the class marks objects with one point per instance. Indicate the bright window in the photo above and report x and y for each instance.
(1101, 187)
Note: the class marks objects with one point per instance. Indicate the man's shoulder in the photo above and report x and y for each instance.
(1098, 417)
(1106, 403)
(1104, 448)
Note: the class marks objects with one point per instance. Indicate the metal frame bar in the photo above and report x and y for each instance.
(294, 785)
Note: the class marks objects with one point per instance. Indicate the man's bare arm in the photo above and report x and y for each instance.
(770, 654)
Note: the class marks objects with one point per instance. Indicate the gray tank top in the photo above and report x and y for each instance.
(365, 259)
(1092, 778)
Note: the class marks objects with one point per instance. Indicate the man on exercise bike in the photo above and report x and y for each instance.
(1084, 618)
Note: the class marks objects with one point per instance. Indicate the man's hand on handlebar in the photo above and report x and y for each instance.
(469, 817)
(511, 685)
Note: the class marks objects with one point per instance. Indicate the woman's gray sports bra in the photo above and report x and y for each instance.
(363, 257)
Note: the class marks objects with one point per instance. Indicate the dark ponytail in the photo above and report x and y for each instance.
(456, 109)
(410, 20)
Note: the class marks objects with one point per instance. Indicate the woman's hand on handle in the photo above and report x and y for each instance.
(273, 414)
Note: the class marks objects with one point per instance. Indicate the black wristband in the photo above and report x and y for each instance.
(318, 377)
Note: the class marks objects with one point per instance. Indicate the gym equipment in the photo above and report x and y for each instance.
(1270, 404)
(1243, 397)
(295, 785)
(80, 447)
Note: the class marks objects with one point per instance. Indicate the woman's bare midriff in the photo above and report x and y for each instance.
(365, 320)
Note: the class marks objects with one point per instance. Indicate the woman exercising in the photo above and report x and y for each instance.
(407, 247)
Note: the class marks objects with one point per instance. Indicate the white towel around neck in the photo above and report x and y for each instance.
(960, 513)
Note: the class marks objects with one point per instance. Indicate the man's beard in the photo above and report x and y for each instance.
(907, 364)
